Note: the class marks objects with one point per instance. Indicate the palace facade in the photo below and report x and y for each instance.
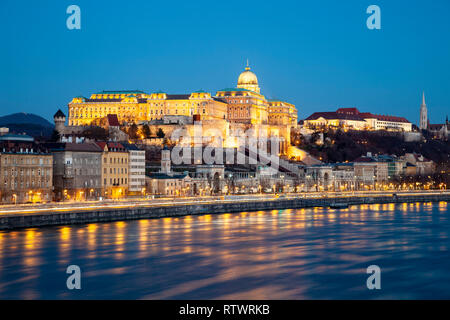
(136, 106)
(243, 106)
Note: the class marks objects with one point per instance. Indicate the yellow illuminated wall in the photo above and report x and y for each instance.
(134, 107)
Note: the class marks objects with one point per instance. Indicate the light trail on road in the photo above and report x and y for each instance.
(142, 203)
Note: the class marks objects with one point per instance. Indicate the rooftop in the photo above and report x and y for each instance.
(354, 114)
(113, 121)
(121, 92)
(16, 137)
(80, 147)
(112, 146)
(178, 96)
(59, 114)
(130, 146)
(159, 175)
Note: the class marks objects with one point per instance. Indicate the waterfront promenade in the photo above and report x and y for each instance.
(13, 217)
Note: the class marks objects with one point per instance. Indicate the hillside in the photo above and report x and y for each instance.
(28, 123)
(342, 146)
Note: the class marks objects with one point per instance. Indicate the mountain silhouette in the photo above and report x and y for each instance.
(28, 123)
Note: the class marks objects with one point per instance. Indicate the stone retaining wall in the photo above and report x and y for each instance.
(64, 218)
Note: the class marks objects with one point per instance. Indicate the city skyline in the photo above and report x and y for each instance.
(297, 58)
(224, 156)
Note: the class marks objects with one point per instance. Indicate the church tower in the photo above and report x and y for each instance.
(165, 160)
(423, 125)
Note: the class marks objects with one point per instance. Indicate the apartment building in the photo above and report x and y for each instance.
(76, 171)
(26, 170)
(114, 170)
(136, 169)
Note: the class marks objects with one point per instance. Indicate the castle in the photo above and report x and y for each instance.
(242, 107)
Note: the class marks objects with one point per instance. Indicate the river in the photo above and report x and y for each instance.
(315, 253)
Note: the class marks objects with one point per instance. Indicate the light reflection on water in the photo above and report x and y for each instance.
(315, 253)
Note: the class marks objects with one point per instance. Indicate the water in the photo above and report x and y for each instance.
(313, 253)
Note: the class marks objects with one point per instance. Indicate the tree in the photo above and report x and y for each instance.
(160, 134)
(146, 131)
(297, 139)
(96, 133)
(132, 132)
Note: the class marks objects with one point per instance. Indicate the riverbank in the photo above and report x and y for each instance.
(149, 211)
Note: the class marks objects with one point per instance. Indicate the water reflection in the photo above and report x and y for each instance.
(278, 254)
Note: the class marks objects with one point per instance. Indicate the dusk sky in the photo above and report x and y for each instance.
(318, 55)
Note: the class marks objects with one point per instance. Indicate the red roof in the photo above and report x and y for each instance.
(367, 115)
(112, 146)
(334, 115)
(348, 110)
(354, 114)
(113, 121)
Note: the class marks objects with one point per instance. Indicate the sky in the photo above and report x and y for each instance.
(318, 55)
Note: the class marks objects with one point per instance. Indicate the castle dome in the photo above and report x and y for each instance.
(247, 77)
(248, 80)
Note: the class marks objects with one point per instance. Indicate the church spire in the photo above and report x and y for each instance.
(247, 67)
(423, 123)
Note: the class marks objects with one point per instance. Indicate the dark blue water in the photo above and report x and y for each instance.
(288, 254)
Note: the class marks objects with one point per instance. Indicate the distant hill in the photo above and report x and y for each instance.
(28, 123)
(24, 118)
(341, 146)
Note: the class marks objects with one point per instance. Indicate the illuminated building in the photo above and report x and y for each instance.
(128, 105)
(242, 107)
(343, 177)
(282, 113)
(248, 80)
(26, 170)
(370, 169)
(198, 103)
(166, 182)
(421, 164)
(438, 130)
(351, 118)
(136, 106)
(76, 171)
(247, 105)
(114, 170)
(136, 168)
